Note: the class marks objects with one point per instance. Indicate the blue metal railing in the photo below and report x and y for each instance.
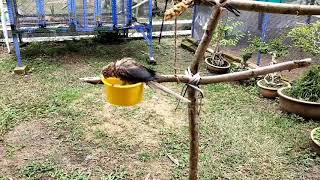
(97, 12)
(114, 13)
(15, 36)
(126, 13)
(41, 13)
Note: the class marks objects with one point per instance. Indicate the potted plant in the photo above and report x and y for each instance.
(315, 139)
(228, 34)
(255, 44)
(307, 37)
(303, 97)
(216, 63)
(269, 85)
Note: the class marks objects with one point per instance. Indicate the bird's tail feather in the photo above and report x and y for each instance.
(156, 85)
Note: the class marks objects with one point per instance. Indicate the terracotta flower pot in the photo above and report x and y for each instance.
(306, 109)
(217, 69)
(315, 144)
(269, 92)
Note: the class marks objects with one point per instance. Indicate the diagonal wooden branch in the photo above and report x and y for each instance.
(193, 106)
(289, 65)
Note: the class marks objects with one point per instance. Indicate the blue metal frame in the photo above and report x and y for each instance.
(41, 13)
(15, 35)
(195, 12)
(114, 13)
(129, 13)
(85, 15)
(72, 13)
(145, 29)
(265, 25)
(149, 34)
(97, 12)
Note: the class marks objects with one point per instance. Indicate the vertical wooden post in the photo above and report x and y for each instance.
(193, 107)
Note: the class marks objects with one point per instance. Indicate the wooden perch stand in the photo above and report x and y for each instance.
(193, 106)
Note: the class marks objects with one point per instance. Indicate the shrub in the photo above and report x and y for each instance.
(307, 37)
(308, 86)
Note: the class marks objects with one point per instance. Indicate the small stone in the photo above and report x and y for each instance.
(88, 158)
(2, 152)
(21, 70)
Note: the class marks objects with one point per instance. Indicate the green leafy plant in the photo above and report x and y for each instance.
(308, 86)
(275, 47)
(217, 59)
(317, 134)
(228, 33)
(273, 80)
(307, 37)
(35, 168)
(51, 9)
(255, 44)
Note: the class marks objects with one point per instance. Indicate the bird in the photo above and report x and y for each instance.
(131, 72)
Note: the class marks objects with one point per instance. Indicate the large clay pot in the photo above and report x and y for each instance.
(269, 92)
(306, 109)
(217, 69)
(315, 144)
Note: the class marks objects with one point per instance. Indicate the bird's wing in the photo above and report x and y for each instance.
(131, 71)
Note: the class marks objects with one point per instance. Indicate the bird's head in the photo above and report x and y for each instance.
(108, 71)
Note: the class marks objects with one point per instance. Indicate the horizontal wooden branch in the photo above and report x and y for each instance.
(238, 75)
(225, 77)
(267, 7)
(256, 6)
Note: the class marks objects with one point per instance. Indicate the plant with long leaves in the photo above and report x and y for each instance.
(308, 86)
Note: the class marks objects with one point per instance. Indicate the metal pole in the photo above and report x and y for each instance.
(97, 12)
(114, 13)
(308, 21)
(72, 12)
(14, 33)
(195, 12)
(85, 15)
(4, 26)
(41, 13)
(149, 29)
(265, 24)
(129, 13)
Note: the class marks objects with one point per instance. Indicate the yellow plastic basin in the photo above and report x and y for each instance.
(122, 95)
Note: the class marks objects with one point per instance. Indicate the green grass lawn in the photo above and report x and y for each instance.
(52, 126)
